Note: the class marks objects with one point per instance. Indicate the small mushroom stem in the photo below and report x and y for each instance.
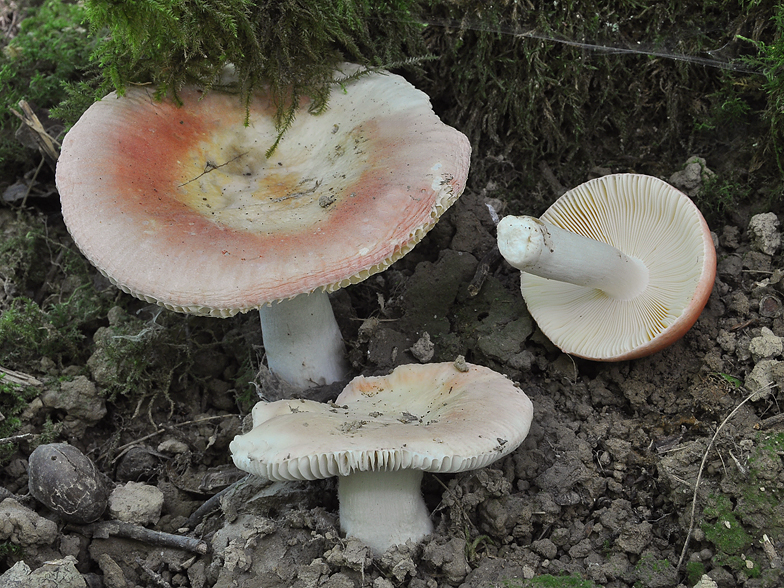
(383, 509)
(302, 341)
(548, 251)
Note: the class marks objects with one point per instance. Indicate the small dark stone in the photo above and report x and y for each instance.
(769, 307)
(137, 465)
(63, 479)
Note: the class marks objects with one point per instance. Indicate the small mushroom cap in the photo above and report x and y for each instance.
(180, 205)
(646, 218)
(431, 417)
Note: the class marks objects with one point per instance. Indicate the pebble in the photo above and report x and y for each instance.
(136, 502)
(63, 479)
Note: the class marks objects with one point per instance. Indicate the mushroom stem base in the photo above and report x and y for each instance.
(302, 341)
(383, 509)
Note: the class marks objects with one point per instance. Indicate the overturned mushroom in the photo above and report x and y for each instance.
(381, 434)
(617, 268)
(180, 205)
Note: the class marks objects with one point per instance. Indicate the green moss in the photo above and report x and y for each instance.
(650, 570)
(769, 59)
(724, 531)
(772, 443)
(141, 358)
(8, 548)
(13, 400)
(29, 332)
(549, 581)
(739, 564)
(694, 571)
(246, 393)
(138, 358)
(49, 433)
(736, 526)
(719, 197)
(290, 46)
(53, 306)
(52, 48)
(22, 248)
(760, 504)
(55, 328)
(578, 84)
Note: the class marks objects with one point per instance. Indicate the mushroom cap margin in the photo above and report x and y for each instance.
(431, 417)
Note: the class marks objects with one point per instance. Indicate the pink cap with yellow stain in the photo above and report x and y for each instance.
(180, 205)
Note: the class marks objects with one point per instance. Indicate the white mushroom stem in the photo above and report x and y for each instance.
(382, 508)
(302, 341)
(548, 251)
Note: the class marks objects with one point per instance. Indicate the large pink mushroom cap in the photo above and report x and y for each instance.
(180, 205)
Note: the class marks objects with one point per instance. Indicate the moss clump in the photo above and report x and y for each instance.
(769, 60)
(759, 505)
(50, 307)
(136, 357)
(29, 332)
(149, 357)
(8, 548)
(736, 525)
(694, 571)
(246, 393)
(290, 46)
(650, 570)
(13, 400)
(22, 248)
(725, 531)
(549, 581)
(719, 197)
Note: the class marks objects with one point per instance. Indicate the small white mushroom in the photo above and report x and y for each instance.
(381, 434)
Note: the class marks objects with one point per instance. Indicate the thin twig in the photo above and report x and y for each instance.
(32, 181)
(772, 421)
(212, 167)
(770, 551)
(47, 145)
(742, 325)
(15, 438)
(549, 176)
(105, 529)
(19, 378)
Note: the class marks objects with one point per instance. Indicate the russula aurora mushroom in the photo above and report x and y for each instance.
(381, 434)
(617, 268)
(180, 205)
